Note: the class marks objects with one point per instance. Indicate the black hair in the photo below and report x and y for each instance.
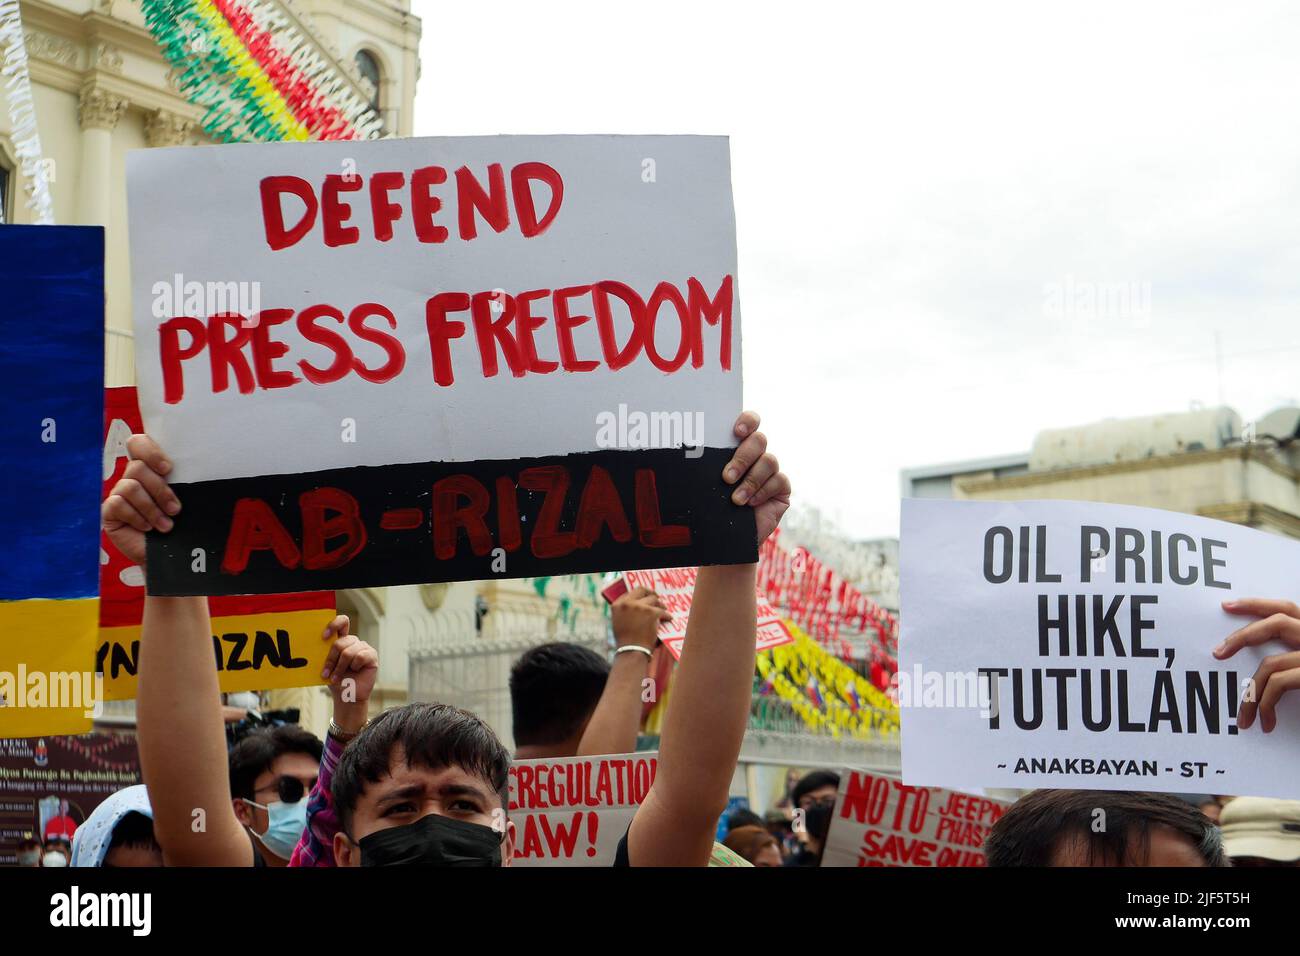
(553, 690)
(430, 735)
(813, 781)
(1031, 831)
(742, 817)
(134, 830)
(253, 756)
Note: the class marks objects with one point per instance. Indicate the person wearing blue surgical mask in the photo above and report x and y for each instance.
(271, 773)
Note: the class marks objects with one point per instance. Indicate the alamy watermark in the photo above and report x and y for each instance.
(948, 689)
(637, 429)
(1081, 300)
(78, 908)
(63, 690)
(198, 299)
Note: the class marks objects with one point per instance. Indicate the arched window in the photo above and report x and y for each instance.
(368, 66)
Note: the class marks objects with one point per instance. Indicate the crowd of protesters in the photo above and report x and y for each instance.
(427, 783)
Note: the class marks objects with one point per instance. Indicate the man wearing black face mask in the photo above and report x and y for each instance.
(423, 785)
(426, 784)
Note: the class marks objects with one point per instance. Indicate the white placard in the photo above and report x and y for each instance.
(575, 212)
(881, 821)
(972, 577)
(573, 811)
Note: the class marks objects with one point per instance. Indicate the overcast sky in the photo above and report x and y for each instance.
(971, 173)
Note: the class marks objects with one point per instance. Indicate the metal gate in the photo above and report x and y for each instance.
(465, 657)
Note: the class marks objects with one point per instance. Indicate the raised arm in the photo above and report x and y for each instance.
(182, 738)
(180, 730)
(614, 723)
(706, 719)
(351, 669)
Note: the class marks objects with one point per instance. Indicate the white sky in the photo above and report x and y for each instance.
(910, 181)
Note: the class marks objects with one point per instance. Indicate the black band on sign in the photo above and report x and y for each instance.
(452, 521)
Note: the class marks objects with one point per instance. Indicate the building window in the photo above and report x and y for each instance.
(4, 195)
(369, 69)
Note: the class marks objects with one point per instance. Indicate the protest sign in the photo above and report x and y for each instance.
(65, 777)
(880, 821)
(574, 811)
(438, 359)
(1069, 644)
(676, 587)
(260, 642)
(52, 391)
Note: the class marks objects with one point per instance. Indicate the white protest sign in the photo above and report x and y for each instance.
(880, 821)
(574, 811)
(1069, 645)
(528, 325)
(676, 588)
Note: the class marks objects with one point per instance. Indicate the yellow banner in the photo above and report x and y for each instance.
(47, 679)
(253, 652)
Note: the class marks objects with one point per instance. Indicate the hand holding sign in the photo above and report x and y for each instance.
(763, 486)
(636, 616)
(1068, 644)
(1279, 620)
(264, 642)
(141, 500)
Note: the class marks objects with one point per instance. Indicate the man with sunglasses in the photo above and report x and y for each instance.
(271, 772)
(426, 783)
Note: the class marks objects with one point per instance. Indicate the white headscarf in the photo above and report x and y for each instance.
(91, 841)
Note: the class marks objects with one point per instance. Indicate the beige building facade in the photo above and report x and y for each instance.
(1206, 462)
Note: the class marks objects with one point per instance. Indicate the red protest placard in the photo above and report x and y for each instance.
(676, 587)
(574, 811)
(880, 821)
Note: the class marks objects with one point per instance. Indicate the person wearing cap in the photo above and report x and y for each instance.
(1258, 831)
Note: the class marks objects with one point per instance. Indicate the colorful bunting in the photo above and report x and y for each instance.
(255, 73)
(827, 695)
(822, 602)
